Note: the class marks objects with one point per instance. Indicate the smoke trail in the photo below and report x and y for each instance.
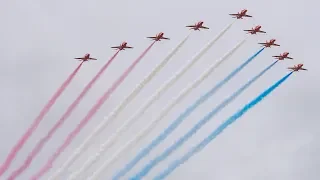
(42, 142)
(166, 110)
(14, 151)
(196, 127)
(85, 144)
(145, 151)
(219, 130)
(90, 114)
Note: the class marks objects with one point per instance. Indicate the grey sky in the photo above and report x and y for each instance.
(275, 140)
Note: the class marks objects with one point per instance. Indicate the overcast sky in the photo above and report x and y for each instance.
(275, 140)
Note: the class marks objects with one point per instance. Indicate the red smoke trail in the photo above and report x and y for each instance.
(42, 142)
(14, 151)
(90, 114)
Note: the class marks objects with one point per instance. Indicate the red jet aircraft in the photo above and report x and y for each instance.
(197, 26)
(86, 57)
(122, 46)
(283, 56)
(269, 43)
(255, 30)
(297, 67)
(158, 37)
(240, 14)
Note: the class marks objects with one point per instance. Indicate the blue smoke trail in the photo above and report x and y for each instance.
(179, 120)
(195, 128)
(219, 130)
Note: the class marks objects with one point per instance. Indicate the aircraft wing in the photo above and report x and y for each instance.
(204, 27)
(128, 47)
(262, 32)
(92, 58)
(165, 38)
(277, 56)
(115, 47)
(152, 37)
(78, 58)
(233, 14)
(276, 44)
(263, 43)
(248, 30)
(191, 26)
(247, 16)
(289, 57)
(303, 69)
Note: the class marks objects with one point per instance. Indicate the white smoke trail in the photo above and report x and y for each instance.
(183, 93)
(86, 143)
(109, 142)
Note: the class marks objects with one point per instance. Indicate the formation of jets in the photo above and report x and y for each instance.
(199, 25)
